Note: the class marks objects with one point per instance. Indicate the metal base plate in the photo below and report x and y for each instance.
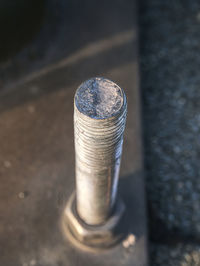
(36, 139)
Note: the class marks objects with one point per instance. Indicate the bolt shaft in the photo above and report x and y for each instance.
(100, 109)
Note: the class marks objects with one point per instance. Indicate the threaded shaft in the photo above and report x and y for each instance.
(100, 109)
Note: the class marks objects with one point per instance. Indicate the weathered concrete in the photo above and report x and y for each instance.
(36, 136)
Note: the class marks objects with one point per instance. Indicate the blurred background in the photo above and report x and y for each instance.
(170, 80)
(169, 52)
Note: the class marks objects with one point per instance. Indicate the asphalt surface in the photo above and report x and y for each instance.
(170, 60)
(179, 255)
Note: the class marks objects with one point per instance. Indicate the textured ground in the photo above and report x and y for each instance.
(170, 60)
(179, 255)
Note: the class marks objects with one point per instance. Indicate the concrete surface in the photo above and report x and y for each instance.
(170, 60)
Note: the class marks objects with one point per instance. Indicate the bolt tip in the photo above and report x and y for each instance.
(99, 98)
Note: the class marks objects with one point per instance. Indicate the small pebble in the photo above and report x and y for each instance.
(181, 101)
(21, 195)
(32, 262)
(31, 109)
(177, 149)
(129, 241)
(7, 164)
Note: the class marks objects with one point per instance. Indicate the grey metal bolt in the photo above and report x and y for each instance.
(100, 109)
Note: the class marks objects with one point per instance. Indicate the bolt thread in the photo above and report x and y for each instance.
(98, 147)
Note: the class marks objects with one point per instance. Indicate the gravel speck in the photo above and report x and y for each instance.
(7, 164)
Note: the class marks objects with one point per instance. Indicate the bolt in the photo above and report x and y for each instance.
(100, 110)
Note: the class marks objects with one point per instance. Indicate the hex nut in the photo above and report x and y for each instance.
(90, 236)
